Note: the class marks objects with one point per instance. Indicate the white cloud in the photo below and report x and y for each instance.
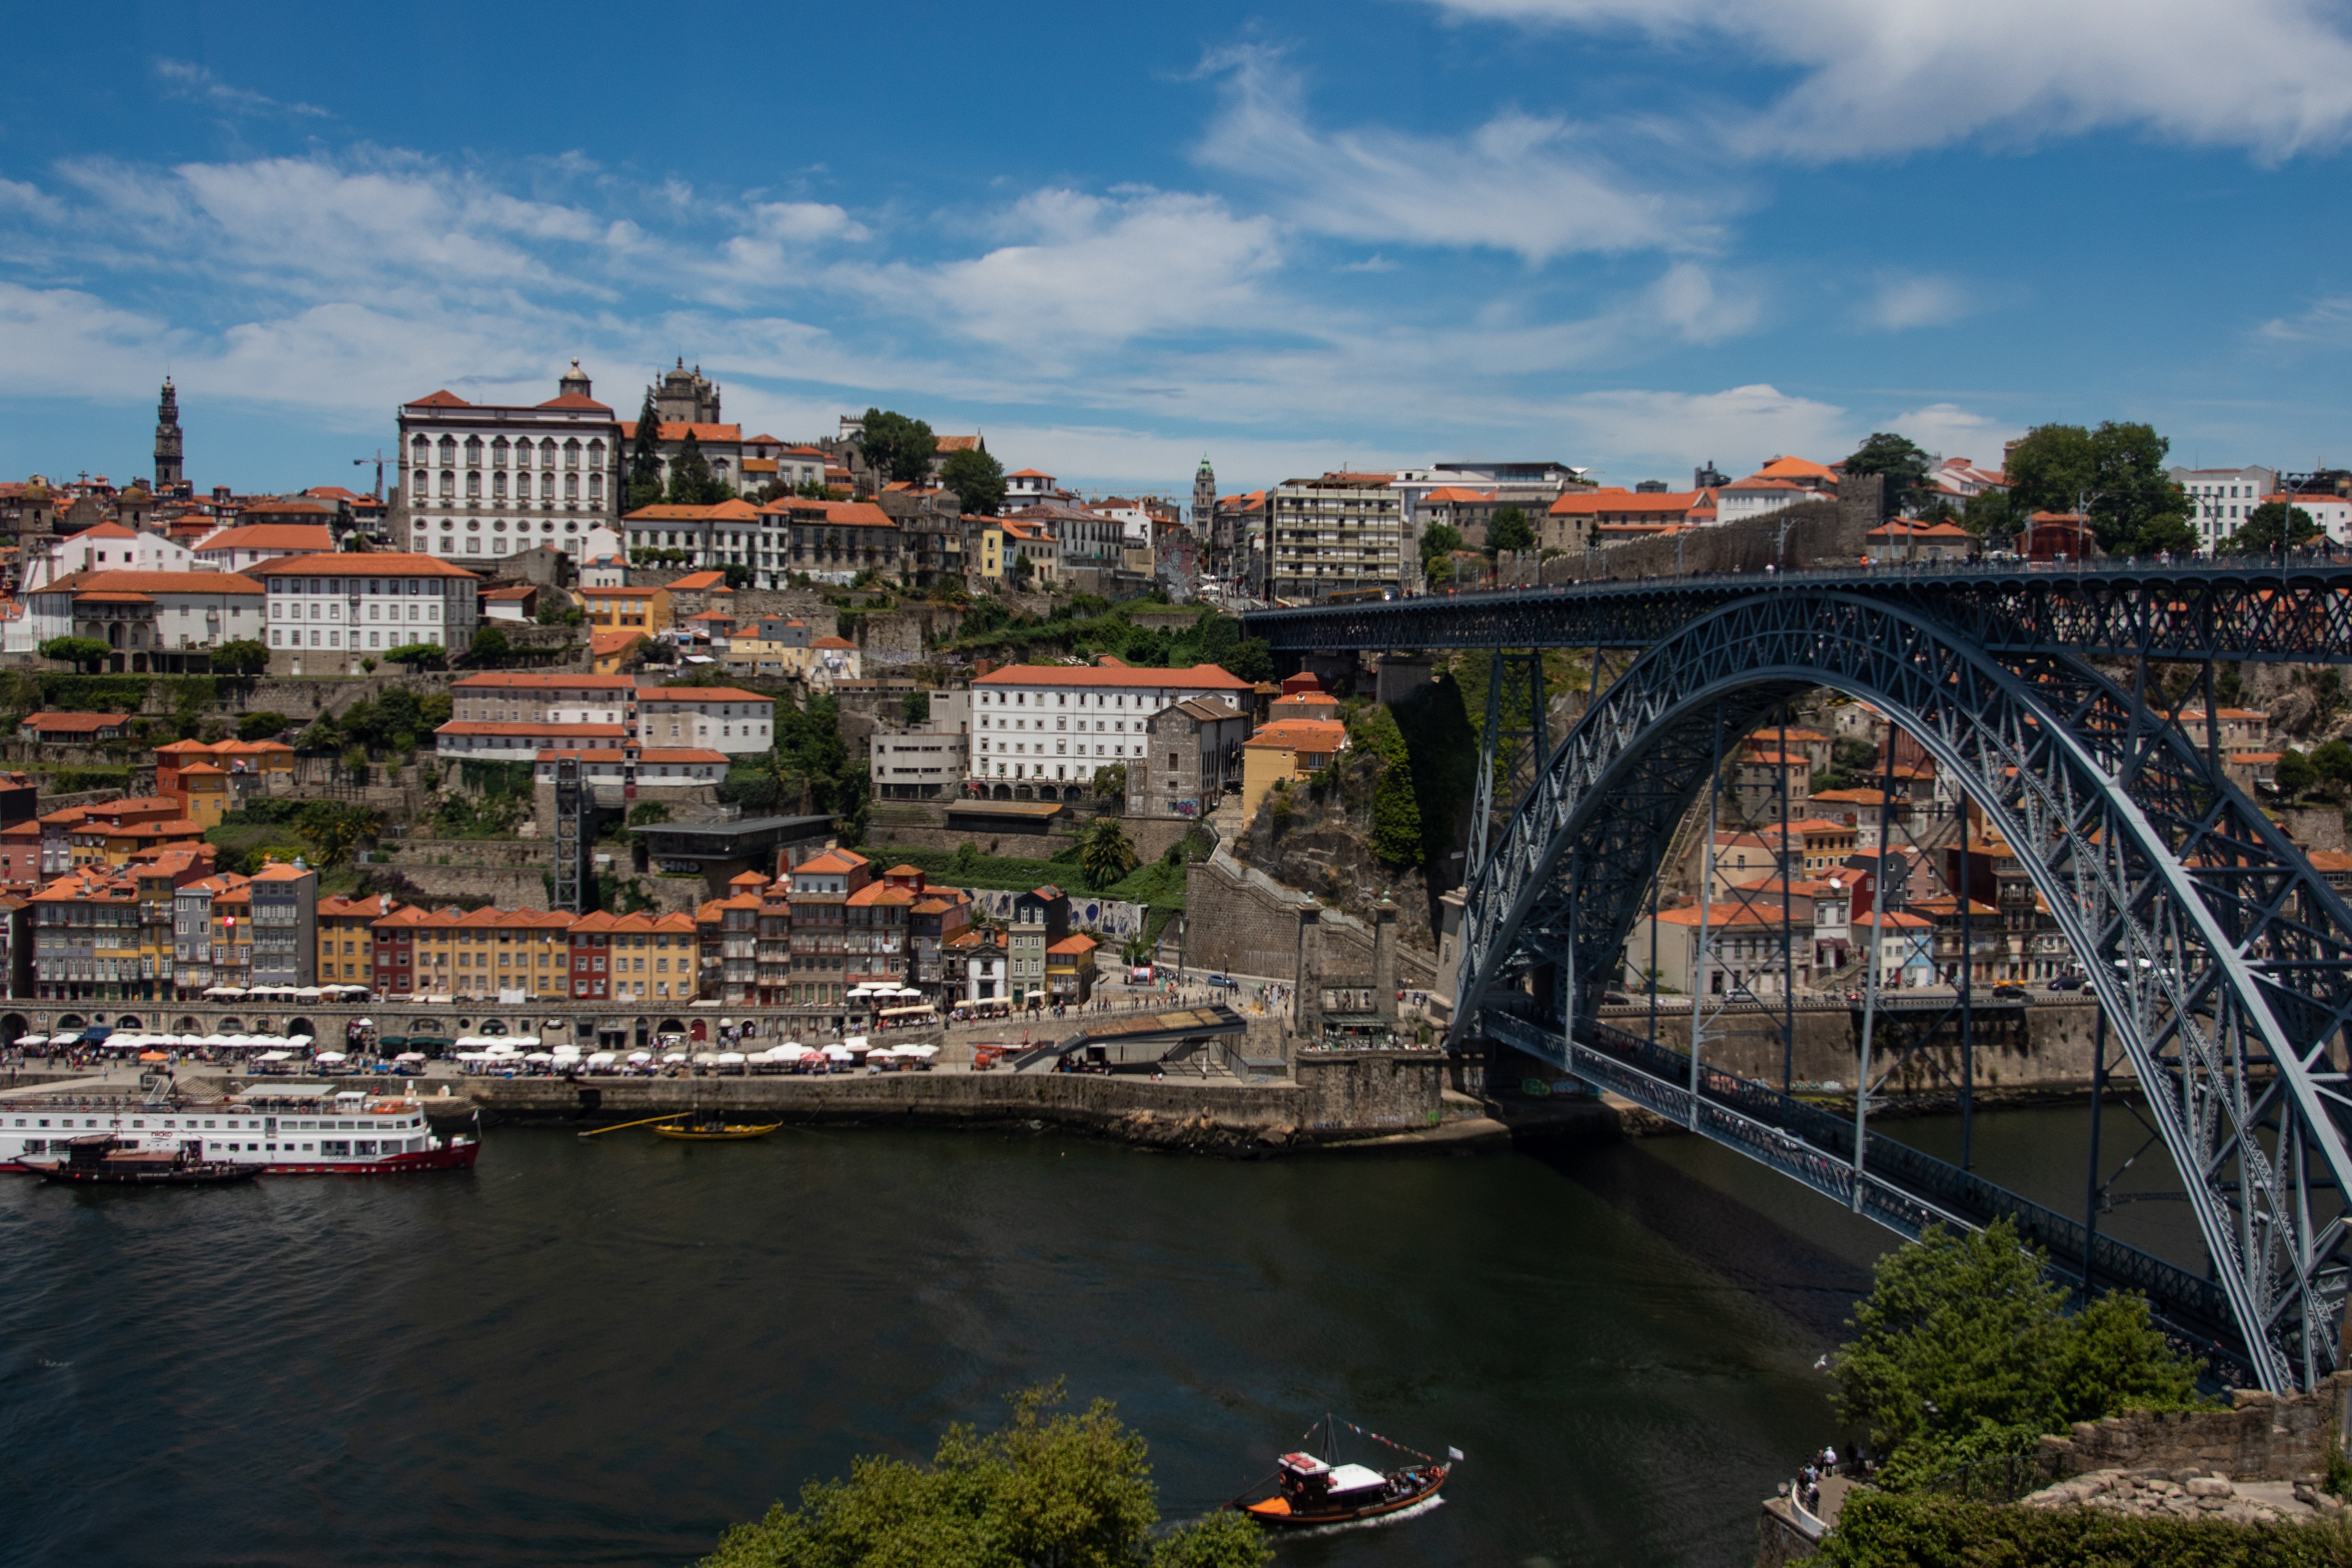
(1951, 431)
(1539, 187)
(1661, 435)
(1894, 76)
(1687, 299)
(1099, 270)
(184, 79)
(1904, 301)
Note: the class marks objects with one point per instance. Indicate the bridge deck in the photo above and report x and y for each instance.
(1900, 1187)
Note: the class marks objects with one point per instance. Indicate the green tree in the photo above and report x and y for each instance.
(1050, 1487)
(1110, 782)
(1509, 529)
(978, 480)
(262, 726)
(1900, 462)
(2135, 507)
(1438, 540)
(1991, 514)
(2293, 774)
(2268, 527)
(1105, 853)
(241, 656)
(1396, 806)
(691, 482)
(737, 576)
(415, 655)
(1963, 1348)
(645, 478)
(915, 707)
(490, 642)
(2333, 764)
(898, 449)
(1252, 659)
(86, 654)
(336, 828)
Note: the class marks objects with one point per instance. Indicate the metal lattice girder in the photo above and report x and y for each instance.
(2298, 611)
(2222, 960)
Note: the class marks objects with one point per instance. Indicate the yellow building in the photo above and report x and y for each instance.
(206, 789)
(992, 552)
(347, 939)
(1070, 969)
(610, 650)
(645, 610)
(476, 956)
(1293, 748)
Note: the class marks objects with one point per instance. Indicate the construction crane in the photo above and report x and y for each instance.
(379, 460)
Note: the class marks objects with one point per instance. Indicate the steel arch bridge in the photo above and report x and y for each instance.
(2221, 959)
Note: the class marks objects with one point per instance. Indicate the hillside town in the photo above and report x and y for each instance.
(746, 709)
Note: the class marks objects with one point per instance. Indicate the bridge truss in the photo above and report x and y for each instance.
(2220, 960)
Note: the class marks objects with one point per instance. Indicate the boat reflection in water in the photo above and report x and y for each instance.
(1311, 1489)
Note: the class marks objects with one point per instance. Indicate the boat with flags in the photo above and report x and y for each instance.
(1314, 1487)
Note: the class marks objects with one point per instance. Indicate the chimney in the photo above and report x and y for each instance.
(1384, 986)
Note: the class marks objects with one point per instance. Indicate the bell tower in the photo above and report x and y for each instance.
(168, 452)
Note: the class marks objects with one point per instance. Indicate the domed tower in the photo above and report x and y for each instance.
(573, 383)
(168, 452)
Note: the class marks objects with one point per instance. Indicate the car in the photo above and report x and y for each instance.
(1224, 983)
(2011, 994)
(2068, 983)
(1615, 999)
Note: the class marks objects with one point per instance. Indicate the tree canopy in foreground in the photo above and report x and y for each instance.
(1964, 1351)
(1050, 1487)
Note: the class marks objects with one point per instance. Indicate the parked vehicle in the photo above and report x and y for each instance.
(2011, 994)
(2068, 983)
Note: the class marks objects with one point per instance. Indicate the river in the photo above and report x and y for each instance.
(587, 1352)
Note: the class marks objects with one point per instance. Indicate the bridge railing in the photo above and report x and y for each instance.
(1902, 1187)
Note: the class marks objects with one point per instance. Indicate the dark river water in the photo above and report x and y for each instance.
(606, 1352)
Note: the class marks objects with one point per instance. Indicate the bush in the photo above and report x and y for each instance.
(241, 657)
(490, 642)
(2293, 774)
(646, 813)
(85, 653)
(1883, 1529)
(488, 778)
(417, 655)
(1396, 807)
(262, 726)
(73, 780)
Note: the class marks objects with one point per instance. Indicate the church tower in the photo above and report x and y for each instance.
(1204, 498)
(168, 474)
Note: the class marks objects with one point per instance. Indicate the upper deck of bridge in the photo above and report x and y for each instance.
(2296, 608)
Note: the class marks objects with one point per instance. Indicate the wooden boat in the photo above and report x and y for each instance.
(1311, 1490)
(711, 1130)
(104, 1160)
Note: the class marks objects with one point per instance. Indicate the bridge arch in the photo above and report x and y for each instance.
(2223, 963)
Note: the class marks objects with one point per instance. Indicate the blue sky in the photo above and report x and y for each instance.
(1628, 234)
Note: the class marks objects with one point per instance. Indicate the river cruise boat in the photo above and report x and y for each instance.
(101, 1160)
(288, 1131)
(1309, 1490)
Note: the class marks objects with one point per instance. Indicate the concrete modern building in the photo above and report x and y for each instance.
(1338, 534)
(2221, 500)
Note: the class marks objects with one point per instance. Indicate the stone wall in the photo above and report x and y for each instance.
(1822, 533)
(2261, 1438)
(1243, 921)
(1356, 1091)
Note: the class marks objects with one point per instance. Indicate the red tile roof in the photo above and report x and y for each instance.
(392, 563)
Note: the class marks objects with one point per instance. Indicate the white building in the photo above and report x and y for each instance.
(519, 740)
(715, 717)
(487, 479)
(149, 618)
(501, 695)
(1042, 729)
(358, 604)
(2221, 500)
(713, 537)
(679, 768)
(2333, 513)
(107, 547)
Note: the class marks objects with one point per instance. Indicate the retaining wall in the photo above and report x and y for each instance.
(1242, 921)
(2261, 1438)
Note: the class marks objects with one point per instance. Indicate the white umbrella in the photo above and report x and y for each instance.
(640, 1055)
(409, 1056)
(216, 1039)
(330, 1056)
(367, 1023)
(836, 1054)
(675, 1057)
(857, 1043)
(297, 1039)
(731, 1059)
(308, 992)
(539, 1056)
(924, 1051)
(603, 1058)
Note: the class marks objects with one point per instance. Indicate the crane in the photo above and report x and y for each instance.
(379, 460)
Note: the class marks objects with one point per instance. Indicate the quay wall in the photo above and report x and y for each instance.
(1243, 920)
(1336, 1097)
(2261, 1438)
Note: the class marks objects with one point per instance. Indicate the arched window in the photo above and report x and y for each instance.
(572, 454)
(595, 454)
(571, 486)
(422, 449)
(448, 484)
(423, 485)
(498, 453)
(546, 487)
(547, 453)
(448, 449)
(473, 451)
(473, 484)
(498, 484)
(596, 486)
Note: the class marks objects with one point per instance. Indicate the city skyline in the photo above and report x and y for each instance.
(1632, 239)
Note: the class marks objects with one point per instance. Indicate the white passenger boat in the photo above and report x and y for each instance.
(288, 1131)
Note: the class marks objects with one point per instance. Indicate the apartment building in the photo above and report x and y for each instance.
(349, 604)
(1039, 731)
(1341, 533)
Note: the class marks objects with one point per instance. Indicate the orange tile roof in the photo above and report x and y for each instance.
(373, 564)
(731, 510)
(504, 680)
(300, 537)
(75, 720)
(1200, 678)
(700, 694)
(699, 580)
(153, 583)
(1302, 735)
(675, 430)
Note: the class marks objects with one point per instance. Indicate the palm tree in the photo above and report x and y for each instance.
(1104, 853)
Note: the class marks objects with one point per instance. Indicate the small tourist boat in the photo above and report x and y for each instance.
(714, 1130)
(103, 1160)
(1310, 1489)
